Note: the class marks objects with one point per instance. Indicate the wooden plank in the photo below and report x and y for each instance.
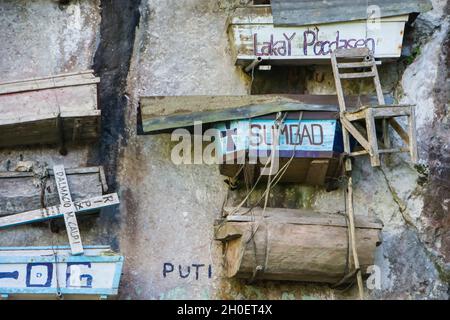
(317, 172)
(81, 206)
(398, 128)
(68, 210)
(358, 153)
(60, 75)
(353, 242)
(412, 136)
(372, 138)
(356, 75)
(342, 108)
(358, 136)
(37, 272)
(163, 113)
(348, 65)
(312, 12)
(393, 150)
(376, 81)
(50, 83)
(352, 53)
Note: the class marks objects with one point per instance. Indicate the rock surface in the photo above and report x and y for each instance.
(164, 225)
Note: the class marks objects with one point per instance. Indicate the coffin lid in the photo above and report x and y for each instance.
(162, 113)
(308, 12)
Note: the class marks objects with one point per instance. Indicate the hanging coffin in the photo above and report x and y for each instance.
(312, 138)
(50, 110)
(295, 245)
(254, 35)
(46, 272)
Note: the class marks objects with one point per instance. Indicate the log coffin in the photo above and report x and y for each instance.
(22, 191)
(294, 245)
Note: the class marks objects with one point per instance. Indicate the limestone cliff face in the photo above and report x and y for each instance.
(165, 219)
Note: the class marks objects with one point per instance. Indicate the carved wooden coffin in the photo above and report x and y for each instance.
(25, 191)
(296, 245)
(52, 272)
(49, 110)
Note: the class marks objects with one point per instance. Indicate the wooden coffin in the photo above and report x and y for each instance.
(51, 273)
(295, 245)
(22, 191)
(50, 110)
(313, 139)
(253, 34)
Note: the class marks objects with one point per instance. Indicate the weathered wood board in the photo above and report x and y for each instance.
(295, 245)
(163, 113)
(46, 110)
(253, 34)
(310, 12)
(81, 206)
(21, 191)
(48, 272)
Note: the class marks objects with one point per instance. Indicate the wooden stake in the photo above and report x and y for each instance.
(353, 237)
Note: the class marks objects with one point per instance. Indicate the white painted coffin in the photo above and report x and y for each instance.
(52, 272)
(253, 34)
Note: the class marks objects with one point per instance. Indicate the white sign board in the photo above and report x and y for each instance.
(68, 209)
(44, 271)
(307, 137)
(254, 37)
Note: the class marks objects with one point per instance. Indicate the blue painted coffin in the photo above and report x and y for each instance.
(313, 139)
(315, 135)
(47, 271)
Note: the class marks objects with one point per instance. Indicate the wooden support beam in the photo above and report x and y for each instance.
(398, 128)
(388, 112)
(412, 136)
(372, 138)
(351, 219)
(393, 150)
(355, 133)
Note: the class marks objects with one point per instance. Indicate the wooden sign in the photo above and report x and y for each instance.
(84, 206)
(68, 210)
(253, 35)
(306, 138)
(44, 271)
